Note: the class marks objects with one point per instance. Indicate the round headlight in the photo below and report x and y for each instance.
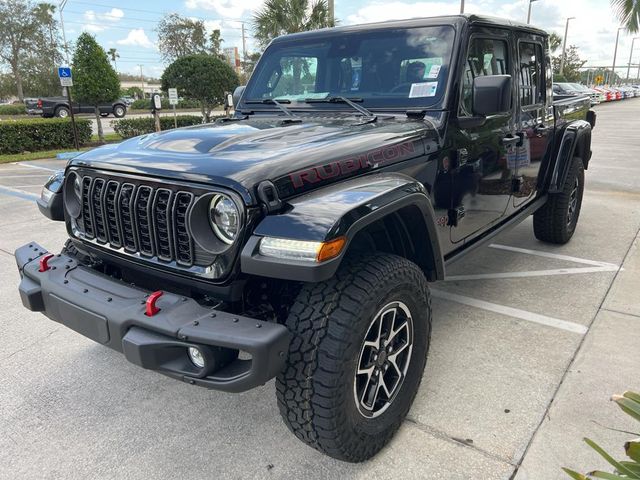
(73, 194)
(224, 218)
(77, 187)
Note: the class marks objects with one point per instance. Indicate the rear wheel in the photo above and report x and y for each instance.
(556, 221)
(119, 111)
(62, 112)
(355, 363)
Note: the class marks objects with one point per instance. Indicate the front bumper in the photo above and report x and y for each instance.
(112, 313)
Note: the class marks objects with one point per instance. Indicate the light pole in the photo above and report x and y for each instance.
(64, 37)
(141, 80)
(612, 75)
(461, 6)
(529, 14)
(332, 15)
(564, 46)
(633, 42)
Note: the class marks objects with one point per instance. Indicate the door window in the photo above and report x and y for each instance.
(486, 57)
(530, 75)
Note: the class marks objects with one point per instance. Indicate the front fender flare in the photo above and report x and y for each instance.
(337, 210)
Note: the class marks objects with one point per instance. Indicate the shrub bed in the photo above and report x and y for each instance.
(132, 127)
(15, 109)
(31, 135)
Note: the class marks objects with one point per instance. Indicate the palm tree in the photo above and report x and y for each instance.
(279, 17)
(113, 53)
(628, 12)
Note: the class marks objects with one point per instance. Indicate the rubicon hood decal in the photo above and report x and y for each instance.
(308, 178)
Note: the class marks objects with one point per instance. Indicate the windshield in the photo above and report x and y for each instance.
(404, 68)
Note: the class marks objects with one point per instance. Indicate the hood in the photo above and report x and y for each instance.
(240, 154)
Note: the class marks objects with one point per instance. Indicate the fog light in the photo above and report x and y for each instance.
(196, 357)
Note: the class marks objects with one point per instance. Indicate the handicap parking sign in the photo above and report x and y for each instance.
(64, 73)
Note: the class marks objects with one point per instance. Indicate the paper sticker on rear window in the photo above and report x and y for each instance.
(434, 71)
(427, 89)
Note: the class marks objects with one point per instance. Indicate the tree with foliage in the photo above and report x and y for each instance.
(29, 35)
(280, 17)
(94, 79)
(201, 77)
(628, 13)
(248, 65)
(572, 65)
(181, 36)
(114, 56)
(135, 92)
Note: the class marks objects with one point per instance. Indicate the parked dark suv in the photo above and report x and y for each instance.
(298, 239)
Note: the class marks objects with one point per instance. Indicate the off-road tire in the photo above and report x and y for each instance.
(550, 223)
(329, 322)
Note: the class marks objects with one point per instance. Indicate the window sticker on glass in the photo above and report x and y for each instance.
(427, 89)
(435, 71)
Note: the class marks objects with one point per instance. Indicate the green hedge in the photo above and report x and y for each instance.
(31, 135)
(15, 109)
(132, 127)
(145, 104)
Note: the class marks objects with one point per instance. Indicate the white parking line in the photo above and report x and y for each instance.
(512, 312)
(37, 166)
(29, 175)
(533, 273)
(556, 256)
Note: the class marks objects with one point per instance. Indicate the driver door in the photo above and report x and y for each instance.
(481, 178)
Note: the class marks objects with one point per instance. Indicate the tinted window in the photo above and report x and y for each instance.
(485, 57)
(384, 68)
(530, 76)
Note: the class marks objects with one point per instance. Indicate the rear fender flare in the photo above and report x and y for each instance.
(345, 209)
(575, 141)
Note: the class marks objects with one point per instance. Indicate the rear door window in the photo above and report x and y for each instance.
(530, 74)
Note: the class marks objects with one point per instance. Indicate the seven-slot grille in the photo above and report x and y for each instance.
(138, 218)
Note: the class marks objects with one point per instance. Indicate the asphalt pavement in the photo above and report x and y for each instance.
(529, 342)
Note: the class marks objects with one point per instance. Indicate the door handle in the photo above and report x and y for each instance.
(541, 130)
(517, 140)
(510, 140)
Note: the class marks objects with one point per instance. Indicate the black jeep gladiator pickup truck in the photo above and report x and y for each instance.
(297, 240)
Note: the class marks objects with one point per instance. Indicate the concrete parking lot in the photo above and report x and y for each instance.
(529, 341)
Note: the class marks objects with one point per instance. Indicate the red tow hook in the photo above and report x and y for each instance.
(151, 308)
(44, 262)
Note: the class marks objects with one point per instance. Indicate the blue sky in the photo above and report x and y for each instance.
(129, 26)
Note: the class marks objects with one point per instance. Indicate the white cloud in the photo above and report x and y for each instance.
(232, 9)
(98, 22)
(138, 38)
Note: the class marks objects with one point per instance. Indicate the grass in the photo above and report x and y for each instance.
(26, 156)
(21, 157)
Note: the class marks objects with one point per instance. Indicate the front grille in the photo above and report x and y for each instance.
(138, 218)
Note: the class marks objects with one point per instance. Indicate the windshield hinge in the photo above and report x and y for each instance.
(268, 194)
(417, 114)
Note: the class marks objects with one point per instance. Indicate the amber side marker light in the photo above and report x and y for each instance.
(331, 249)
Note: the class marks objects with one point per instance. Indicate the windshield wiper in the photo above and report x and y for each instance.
(371, 117)
(277, 103)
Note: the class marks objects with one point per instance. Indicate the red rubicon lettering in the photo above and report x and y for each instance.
(349, 165)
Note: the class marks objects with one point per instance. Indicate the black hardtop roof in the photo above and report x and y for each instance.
(457, 20)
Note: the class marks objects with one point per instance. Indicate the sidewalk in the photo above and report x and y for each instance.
(607, 362)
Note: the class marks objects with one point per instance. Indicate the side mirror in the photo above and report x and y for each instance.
(237, 93)
(492, 95)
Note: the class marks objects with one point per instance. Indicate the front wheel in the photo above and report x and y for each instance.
(119, 111)
(556, 220)
(359, 348)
